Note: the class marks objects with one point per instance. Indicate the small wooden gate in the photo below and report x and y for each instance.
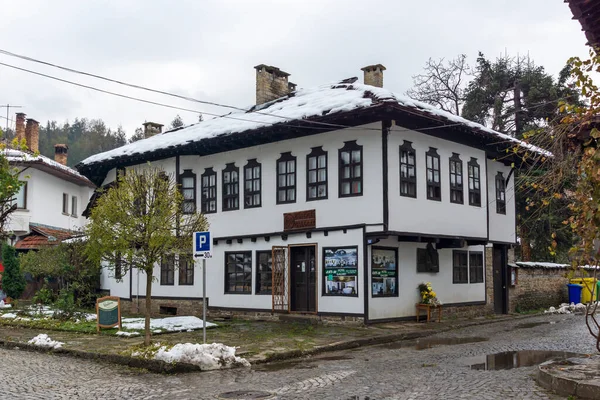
(281, 278)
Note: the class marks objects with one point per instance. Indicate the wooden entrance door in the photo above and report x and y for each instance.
(500, 269)
(303, 278)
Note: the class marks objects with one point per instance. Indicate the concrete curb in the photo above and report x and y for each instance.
(566, 386)
(171, 368)
(375, 340)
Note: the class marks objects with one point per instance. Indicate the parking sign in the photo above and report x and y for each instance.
(202, 245)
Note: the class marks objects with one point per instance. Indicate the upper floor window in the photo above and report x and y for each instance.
(500, 194)
(474, 183)
(188, 190)
(408, 170)
(231, 188)
(434, 189)
(21, 196)
(73, 206)
(252, 184)
(209, 191)
(456, 179)
(286, 178)
(65, 203)
(351, 170)
(316, 174)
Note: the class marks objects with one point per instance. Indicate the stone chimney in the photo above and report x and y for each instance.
(151, 129)
(20, 127)
(374, 75)
(271, 83)
(61, 152)
(32, 135)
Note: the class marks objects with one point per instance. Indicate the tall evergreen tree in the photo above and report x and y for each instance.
(13, 280)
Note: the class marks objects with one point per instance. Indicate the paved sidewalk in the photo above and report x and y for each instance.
(572, 377)
(258, 341)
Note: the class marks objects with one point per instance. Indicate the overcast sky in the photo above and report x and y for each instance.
(207, 49)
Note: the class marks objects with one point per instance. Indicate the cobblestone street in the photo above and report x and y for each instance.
(392, 371)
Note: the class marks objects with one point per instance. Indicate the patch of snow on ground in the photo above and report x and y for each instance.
(170, 324)
(4, 305)
(565, 308)
(9, 315)
(127, 334)
(207, 356)
(43, 340)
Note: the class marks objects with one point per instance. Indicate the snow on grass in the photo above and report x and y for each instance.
(43, 340)
(127, 334)
(565, 308)
(9, 315)
(3, 305)
(206, 356)
(169, 324)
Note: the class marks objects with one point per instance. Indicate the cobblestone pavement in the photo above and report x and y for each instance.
(392, 371)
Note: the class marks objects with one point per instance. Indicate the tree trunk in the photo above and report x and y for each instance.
(525, 244)
(148, 307)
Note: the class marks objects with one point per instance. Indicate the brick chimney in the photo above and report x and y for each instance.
(374, 75)
(271, 83)
(32, 135)
(151, 129)
(20, 127)
(61, 151)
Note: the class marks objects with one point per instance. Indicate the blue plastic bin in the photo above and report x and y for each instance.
(574, 293)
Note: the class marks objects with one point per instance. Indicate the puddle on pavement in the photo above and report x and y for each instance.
(298, 364)
(534, 324)
(516, 359)
(423, 344)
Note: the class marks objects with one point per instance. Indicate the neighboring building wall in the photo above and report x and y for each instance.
(420, 215)
(537, 288)
(45, 200)
(408, 280)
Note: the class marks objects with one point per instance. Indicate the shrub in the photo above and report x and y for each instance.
(13, 280)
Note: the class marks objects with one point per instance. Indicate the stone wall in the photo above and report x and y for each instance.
(538, 287)
(179, 307)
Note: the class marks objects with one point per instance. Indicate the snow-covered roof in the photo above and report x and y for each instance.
(301, 105)
(22, 157)
(539, 264)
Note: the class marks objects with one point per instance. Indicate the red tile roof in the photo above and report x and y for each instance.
(43, 236)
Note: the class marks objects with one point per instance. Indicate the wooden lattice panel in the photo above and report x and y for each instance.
(280, 288)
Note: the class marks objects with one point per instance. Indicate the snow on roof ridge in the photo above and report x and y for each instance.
(327, 99)
(14, 155)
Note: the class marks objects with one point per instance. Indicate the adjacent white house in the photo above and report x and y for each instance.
(50, 203)
(334, 200)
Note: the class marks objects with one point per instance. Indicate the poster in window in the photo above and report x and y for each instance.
(384, 272)
(341, 271)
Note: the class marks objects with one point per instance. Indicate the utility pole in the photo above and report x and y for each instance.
(8, 107)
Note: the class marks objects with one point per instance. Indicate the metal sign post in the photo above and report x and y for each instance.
(202, 248)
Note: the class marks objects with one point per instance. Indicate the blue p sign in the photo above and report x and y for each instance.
(202, 244)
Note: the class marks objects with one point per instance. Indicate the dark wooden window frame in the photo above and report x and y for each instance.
(206, 199)
(500, 194)
(316, 153)
(251, 194)
(476, 272)
(395, 250)
(458, 279)
(167, 270)
(233, 187)
(474, 190)
(433, 184)
(65, 204)
(456, 184)
(243, 281)
(407, 182)
(185, 265)
(350, 147)
(187, 173)
(260, 273)
(285, 159)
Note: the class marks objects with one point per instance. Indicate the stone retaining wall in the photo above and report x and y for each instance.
(538, 287)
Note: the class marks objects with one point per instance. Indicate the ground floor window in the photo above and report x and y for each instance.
(167, 270)
(384, 271)
(186, 269)
(264, 272)
(238, 272)
(341, 271)
(476, 267)
(467, 266)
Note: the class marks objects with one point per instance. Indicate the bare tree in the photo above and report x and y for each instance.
(443, 83)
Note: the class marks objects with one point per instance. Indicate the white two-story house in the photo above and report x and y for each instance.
(53, 196)
(334, 200)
